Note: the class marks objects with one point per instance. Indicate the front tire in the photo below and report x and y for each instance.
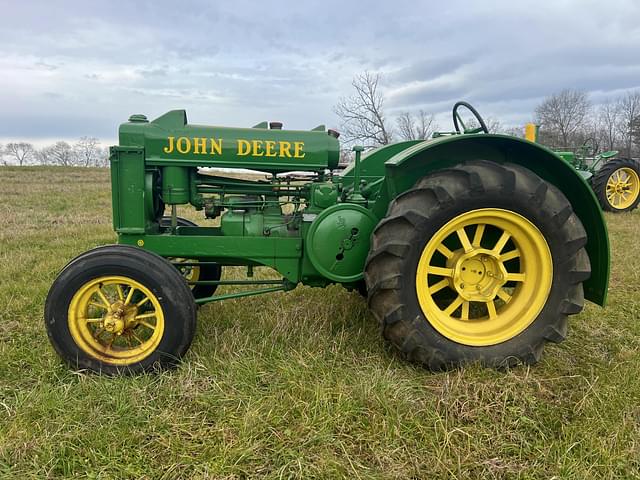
(479, 263)
(617, 185)
(120, 309)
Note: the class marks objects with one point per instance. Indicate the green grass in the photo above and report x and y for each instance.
(298, 384)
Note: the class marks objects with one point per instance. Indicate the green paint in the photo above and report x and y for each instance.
(316, 230)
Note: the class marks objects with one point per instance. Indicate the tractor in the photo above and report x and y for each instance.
(470, 247)
(615, 181)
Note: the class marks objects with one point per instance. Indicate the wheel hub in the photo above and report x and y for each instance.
(478, 275)
(119, 317)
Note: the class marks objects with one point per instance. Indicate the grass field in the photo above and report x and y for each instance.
(299, 384)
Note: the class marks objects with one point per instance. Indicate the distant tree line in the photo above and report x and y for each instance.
(566, 119)
(86, 152)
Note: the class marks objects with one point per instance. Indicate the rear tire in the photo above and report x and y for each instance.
(617, 185)
(448, 292)
(120, 309)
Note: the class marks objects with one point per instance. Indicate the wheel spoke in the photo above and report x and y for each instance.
(515, 277)
(102, 297)
(504, 238)
(436, 287)
(505, 257)
(137, 337)
(145, 315)
(147, 324)
(120, 292)
(444, 251)
(464, 315)
(129, 295)
(455, 304)
(464, 239)
(491, 308)
(443, 272)
(98, 305)
(504, 296)
(93, 320)
(142, 302)
(477, 237)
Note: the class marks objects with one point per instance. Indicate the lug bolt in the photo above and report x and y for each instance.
(462, 286)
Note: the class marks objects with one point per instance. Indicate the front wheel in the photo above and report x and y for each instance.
(120, 309)
(479, 263)
(617, 185)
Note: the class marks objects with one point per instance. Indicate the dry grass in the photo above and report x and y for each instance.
(299, 384)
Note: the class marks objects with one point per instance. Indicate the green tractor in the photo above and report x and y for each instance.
(470, 247)
(615, 181)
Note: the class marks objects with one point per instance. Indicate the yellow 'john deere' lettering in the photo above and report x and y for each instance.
(197, 145)
(253, 148)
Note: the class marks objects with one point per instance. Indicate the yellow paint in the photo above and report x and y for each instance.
(216, 146)
(169, 148)
(116, 320)
(200, 146)
(469, 286)
(623, 188)
(297, 150)
(254, 148)
(183, 145)
(244, 148)
(140, 243)
(257, 148)
(531, 132)
(285, 148)
(270, 146)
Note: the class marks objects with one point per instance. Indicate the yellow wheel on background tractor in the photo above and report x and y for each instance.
(120, 309)
(478, 263)
(617, 185)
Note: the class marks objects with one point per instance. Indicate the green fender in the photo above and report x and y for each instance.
(401, 169)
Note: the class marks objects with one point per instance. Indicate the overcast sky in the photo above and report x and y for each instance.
(76, 68)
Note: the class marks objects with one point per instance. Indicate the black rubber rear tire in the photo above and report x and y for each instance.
(601, 177)
(416, 215)
(209, 272)
(150, 270)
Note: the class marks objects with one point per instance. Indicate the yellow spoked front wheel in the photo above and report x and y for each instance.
(484, 276)
(120, 309)
(617, 185)
(116, 319)
(482, 262)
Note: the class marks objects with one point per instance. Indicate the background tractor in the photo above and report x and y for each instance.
(615, 181)
(470, 247)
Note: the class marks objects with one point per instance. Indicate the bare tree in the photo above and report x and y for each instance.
(418, 127)
(562, 114)
(362, 113)
(87, 151)
(61, 153)
(22, 152)
(629, 111)
(607, 124)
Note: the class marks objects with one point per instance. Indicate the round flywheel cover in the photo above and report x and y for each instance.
(338, 241)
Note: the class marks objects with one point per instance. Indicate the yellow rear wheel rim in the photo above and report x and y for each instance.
(116, 320)
(484, 277)
(623, 187)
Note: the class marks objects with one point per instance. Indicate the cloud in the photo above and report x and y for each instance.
(81, 68)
